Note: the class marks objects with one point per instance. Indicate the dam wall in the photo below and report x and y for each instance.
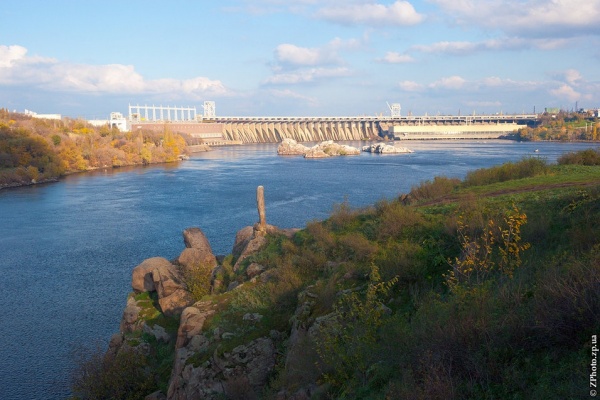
(314, 130)
(237, 130)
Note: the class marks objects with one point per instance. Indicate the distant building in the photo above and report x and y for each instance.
(116, 120)
(42, 116)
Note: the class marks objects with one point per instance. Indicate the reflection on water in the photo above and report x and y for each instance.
(67, 249)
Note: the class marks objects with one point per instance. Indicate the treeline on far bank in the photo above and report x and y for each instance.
(564, 126)
(37, 150)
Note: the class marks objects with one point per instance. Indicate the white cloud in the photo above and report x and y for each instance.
(289, 94)
(306, 75)
(507, 43)
(565, 91)
(290, 55)
(572, 76)
(451, 82)
(410, 86)
(16, 68)
(535, 18)
(392, 57)
(294, 55)
(447, 47)
(400, 13)
(9, 55)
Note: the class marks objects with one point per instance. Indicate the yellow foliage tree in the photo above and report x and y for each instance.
(497, 248)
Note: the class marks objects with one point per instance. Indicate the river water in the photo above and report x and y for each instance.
(67, 249)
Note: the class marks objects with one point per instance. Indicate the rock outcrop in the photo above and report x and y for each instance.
(331, 149)
(158, 275)
(383, 148)
(198, 252)
(289, 147)
(208, 363)
(240, 373)
(322, 150)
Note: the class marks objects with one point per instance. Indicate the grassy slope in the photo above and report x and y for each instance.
(396, 329)
(522, 337)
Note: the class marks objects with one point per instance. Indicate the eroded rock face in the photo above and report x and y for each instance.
(383, 148)
(243, 371)
(289, 147)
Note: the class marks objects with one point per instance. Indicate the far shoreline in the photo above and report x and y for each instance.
(16, 185)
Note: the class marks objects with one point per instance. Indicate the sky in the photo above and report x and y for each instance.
(88, 58)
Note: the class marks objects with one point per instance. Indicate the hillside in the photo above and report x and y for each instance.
(483, 288)
(38, 150)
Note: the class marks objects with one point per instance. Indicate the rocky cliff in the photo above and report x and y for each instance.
(211, 360)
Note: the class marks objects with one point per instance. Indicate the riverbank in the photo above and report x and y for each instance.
(57, 238)
(311, 316)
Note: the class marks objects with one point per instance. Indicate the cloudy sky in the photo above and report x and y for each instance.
(86, 58)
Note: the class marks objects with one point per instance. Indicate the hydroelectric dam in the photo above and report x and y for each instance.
(238, 130)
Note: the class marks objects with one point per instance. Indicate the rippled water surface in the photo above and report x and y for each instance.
(67, 249)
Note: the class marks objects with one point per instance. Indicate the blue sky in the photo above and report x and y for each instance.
(87, 58)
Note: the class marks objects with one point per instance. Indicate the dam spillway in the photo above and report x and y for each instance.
(314, 129)
(237, 130)
(301, 129)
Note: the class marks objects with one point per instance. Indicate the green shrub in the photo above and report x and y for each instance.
(429, 190)
(397, 220)
(123, 377)
(527, 167)
(583, 157)
(198, 281)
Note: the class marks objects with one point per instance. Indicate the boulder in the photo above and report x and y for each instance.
(158, 332)
(253, 270)
(191, 258)
(383, 148)
(198, 250)
(167, 280)
(242, 238)
(141, 279)
(192, 321)
(330, 149)
(129, 320)
(252, 247)
(159, 275)
(289, 147)
(176, 302)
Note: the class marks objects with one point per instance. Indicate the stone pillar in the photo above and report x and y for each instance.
(260, 203)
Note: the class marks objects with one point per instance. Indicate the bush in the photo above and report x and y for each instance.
(429, 190)
(198, 280)
(567, 300)
(122, 377)
(527, 167)
(583, 157)
(395, 220)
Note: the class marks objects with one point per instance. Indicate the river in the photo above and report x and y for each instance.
(67, 249)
